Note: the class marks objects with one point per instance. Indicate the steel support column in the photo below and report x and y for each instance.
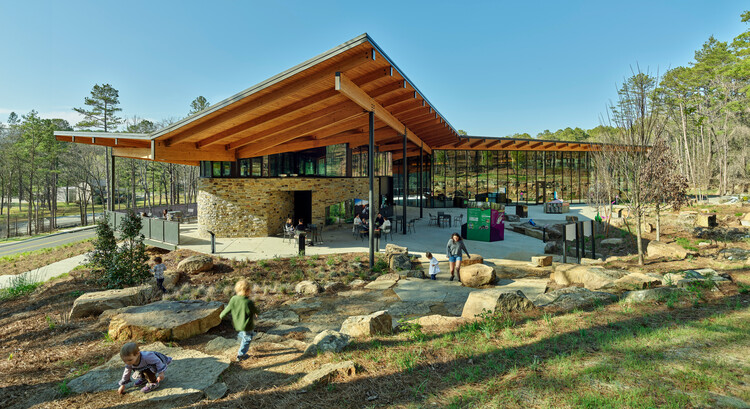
(112, 189)
(421, 179)
(406, 184)
(371, 197)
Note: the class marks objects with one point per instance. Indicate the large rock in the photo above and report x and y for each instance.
(400, 262)
(706, 220)
(668, 250)
(636, 281)
(570, 298)
(612, 242)
(512, 218)
(392, 250)
(367, 325)
(495, 300)
(165, 320)
(477, 275)
(308, 287)
(552, 247)
(518, 269)
(745, 221)
(326, 373)
(196, 264)
(439, 322)
(475, 259)
(188, 375)
(651, 294)
(541, 261)
(328, 341)
(388, 277)
(592, 277)
(95, 303)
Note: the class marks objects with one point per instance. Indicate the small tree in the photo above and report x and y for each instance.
(662, 182)
(118, 267)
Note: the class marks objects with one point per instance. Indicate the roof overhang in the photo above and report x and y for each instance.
(321, 102)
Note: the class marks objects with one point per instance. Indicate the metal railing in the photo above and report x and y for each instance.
(158, 232)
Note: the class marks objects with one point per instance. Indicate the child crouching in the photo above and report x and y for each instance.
(147, 367)
(243, 313)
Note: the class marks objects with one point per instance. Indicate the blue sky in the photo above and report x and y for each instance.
(492, 68)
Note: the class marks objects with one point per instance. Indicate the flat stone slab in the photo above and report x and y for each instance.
(277, 317)
(430, 290)
(165, 320)
(94, 303)
(188, 376)
(381, 284)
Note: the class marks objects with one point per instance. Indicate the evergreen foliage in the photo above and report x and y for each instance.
(119, 267)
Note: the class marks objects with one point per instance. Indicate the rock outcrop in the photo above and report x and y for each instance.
(477, 275)
(658, 249)
(494, 300)
(165, 320)
(308, 287)
(196, 264)
(376, 323)
(326, 373)
(570, 298)
(328, 341)
(592, 277)
(95, 303)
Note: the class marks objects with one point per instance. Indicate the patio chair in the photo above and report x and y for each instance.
(433, 220)
(386, 231)
(410, 226)
(458, 220)
(288, 233)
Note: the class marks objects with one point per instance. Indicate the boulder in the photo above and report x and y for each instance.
(171, 279)
(415, 274)
(657, 249)
(277, 316)
(552, 247)
(706, 220)
(647, 227)
(554, 231)
(196, 264)
(495, 300)
(512, 218)
(518, 269)
(308, 287)
(570, 298)
(335, 286)
(745, 221)
(636, 281)
(190, 374)
(358, 283)
(734, 254)
(611, 242)
(223, 346)
(400, 262)
(165, 320)
(591, 261)
(651, 294)
(534, 233)
(391, 249)
(475, 259)
(326, 373)
(328, 341)
(477, 275)
(94, 303)
(592, 277)
(380, 284)
(541, 261)
(367, 325)
(439, 322)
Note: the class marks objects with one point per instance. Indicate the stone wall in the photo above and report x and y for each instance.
(259, 207)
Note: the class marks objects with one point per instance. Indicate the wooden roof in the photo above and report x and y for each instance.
(321, 102)
(483, 143)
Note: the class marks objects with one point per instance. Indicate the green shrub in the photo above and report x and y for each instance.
(20, 285)
(118, 267)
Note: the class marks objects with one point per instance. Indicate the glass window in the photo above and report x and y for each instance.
(450, 175)
(216, 169)
(257, 165)
(336, 160)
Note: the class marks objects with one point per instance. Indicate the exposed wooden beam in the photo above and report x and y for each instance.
(356, 94)
(493, 143)
(534, 145)
(505, 144)
(167, 154)
(521, 144)
(477, 143)
(128, 143)
(245, 111)
(334, 123)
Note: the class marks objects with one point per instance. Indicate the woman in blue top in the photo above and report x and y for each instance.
(453, 249)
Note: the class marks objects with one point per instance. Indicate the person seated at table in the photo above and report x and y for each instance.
(300, 226)
(386, 225)
(164, 213)
(378, 220)
(289, 225)
(357, 223)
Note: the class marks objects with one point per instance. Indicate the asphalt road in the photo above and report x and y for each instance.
(46, 242)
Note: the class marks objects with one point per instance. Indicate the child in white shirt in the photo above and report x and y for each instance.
(434, 269)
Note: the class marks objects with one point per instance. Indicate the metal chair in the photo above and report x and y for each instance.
(386, 231)
(410, 226)
(288, 233)
(433, 220)
(459, 220)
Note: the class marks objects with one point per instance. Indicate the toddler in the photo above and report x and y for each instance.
(146, 366)
(158, 270)
(243, 312)
(434, 269)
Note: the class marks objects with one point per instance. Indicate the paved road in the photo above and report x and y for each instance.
(45, 242)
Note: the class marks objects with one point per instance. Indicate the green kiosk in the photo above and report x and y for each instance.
(484, 224)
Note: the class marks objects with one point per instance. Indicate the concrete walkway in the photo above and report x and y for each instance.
(44, 273)
(339, 239)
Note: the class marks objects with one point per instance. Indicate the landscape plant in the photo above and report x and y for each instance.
(119, 267)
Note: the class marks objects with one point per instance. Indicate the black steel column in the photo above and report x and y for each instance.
(111, 204)
(421, 179)
(406, 184)
(371, 198)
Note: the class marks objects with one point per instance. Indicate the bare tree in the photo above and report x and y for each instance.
(662, 183)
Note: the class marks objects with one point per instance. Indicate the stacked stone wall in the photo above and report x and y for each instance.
(257, 207)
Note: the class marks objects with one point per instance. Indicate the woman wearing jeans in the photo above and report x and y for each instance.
(453, 249)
